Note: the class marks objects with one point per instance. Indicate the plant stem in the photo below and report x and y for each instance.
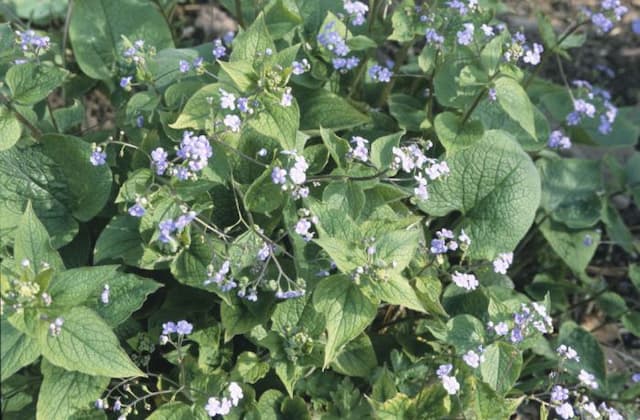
(239, 16)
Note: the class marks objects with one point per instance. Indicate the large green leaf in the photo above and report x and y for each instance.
(89, 184)
(501, 366)
(197, 111)
(252, 42)
(31, 82)
(572, 245)
(357, 358)
(453, 134)
(587, 347)
(570, 190)
(347, 310)
(120, 239)
(277, 122)
(322, 108)
(10, 129)
(176, 410)
(515, 102)
(84, 286)
(33, 243)
(86, 344)
(63, 393)
(60, 182)
(496, 187)
(97, 27)
(16, 350)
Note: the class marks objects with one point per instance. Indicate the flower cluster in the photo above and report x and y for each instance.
(331, 40)
(360, 152)
(30, 41)
(466, 281)
(98, 155)
(462, 7)
(610, 11)
(465, 35)
(473, 359)
(138, 209)
(528, 320)
(445, 241)
(194, 151)
(220, 45)
(502, 263)
(558, 140)
(356, 10)
(379, 73)
(433, 37)
(168, 226)
(567, 353)
(300, 67)
(587, 107)
(197, 64)
(220, 277)
(411, 159)
(304, 224)
(450, 383)
(55, 328)
(518, 48)
(181, 328)
(104, 295)
(222, 406)
(293, 179)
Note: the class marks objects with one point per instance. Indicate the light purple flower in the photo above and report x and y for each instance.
(136, 210)
(232, 122)
(219, 50)
(184, 328)
(465, 36)
(184, 66)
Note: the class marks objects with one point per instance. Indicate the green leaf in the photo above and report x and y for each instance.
(515, 102)
(571, 245)
(63, 393)
(97, 28)
(69, 117)
(491, 54)
(86, 344)
(455, 135)
(281, 20)
(357, 358)
(190, 267)
(91, 185)
(278, 122)
(299, 313)
(338, 147)
(631, 322)
(494, 117)
(120, 239)
(347, 197)
(446, 82)
(31, 82)
(496, 187)
(464, 332)
(616, 228)
(33, 244)
(546, 31)
(253, 42)
(250, 368)
(634, 275)
(17, 350)
(402, 24)
(10, 129)
(587, 347)
(321, 108)
(176, 410)
(240, 318)
(501, 366)
(382, 149)
(361, 43)
(398, 291)
(240, 73)
(347, 311)
(263, 196)
(268, 406)
(481, 402)
(570, 191)
(295, 408)
(84, 286)
(408, 111)
(612, 304)
(198, 110)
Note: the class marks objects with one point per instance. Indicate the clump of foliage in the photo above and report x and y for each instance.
(342, 210)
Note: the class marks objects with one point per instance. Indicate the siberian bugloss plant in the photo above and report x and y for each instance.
(342, 210)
